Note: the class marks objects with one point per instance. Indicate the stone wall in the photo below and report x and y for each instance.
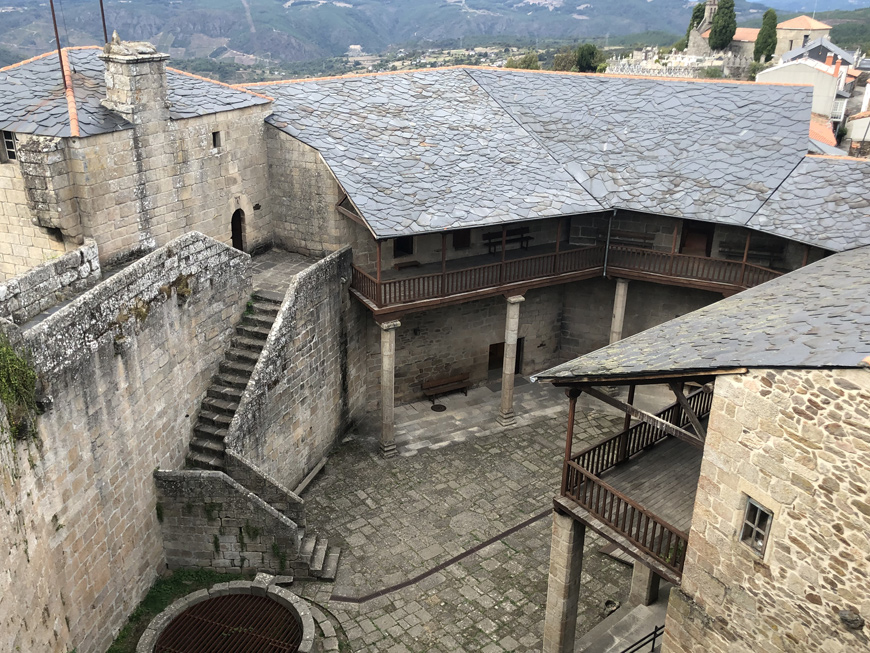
(134, 196)
(211, 521)
(797, 442)
(45, 285)
(79, 536)
(23, 244)
(307, 385)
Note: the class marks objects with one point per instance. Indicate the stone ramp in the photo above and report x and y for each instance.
(625, 627)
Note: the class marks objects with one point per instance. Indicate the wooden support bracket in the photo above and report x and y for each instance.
(690, 413)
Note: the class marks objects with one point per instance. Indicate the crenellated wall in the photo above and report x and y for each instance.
(123, 369)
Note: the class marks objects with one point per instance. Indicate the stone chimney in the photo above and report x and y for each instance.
(135, 81)
(829, 60)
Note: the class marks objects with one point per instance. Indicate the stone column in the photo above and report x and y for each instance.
(506, 415)
(563, 584)
(388, 375)
(644, 585)
(618, 310)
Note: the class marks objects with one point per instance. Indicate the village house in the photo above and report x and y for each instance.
(461, 225)
(748, 493)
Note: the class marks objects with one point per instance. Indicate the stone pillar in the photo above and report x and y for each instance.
(618, 310)
(563, 584)
(388, 375)
(506, 415)
(644, 585)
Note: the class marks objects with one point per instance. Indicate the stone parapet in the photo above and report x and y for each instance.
(264, 486)
(25, 296)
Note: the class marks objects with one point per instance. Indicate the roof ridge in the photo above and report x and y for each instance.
(214, 81)
(844, 157)
(27, 61)
(302, 80)
(69, 92)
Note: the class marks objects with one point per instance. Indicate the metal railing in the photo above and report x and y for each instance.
(650, 639)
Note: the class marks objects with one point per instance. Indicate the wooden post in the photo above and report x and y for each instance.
(380, 298)
(806, 255)
(443, 264)
(745, 256)
(503, 245)
(558, 242)
(673, 250)
(623, 441)
(569, 437)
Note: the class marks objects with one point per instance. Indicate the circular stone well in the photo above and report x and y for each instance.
(232, 618)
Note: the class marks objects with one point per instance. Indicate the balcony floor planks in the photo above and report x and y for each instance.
(662, 479)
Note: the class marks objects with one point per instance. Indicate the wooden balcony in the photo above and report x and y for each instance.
(464, 279)
(638, 487)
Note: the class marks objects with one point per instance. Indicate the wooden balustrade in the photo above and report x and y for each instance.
(730, 275)
(583, 485)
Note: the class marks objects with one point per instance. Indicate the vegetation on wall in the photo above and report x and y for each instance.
(765, 44)
(724, 26)
(17, 390)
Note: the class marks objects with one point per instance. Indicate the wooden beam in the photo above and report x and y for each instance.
(350, 214)
(646, 417)
(443, 263)
(690, 413)
(379, 265)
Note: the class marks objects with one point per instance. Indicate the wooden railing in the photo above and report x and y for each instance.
(581, 484)
(732, 275)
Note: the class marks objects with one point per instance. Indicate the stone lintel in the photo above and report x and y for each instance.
(390, 326)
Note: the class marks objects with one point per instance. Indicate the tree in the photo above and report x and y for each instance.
(528, 61)
(564, 61)
(765, 44)
(588, 58)
(724, 26)
(697, 18)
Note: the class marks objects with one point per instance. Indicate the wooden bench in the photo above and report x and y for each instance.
(444, 385)
(513, 236)
(631, 238)
(406, 264)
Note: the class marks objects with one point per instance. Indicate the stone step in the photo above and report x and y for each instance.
(241, 370)
(226, 392)
(265, 309)
(219, 420)
(259, 319)
(247, 356)
(209, 432)
(306, 549)
(267, 297)
(208, 447)
(330, 566)
(318, 557)
(215, 405)
(241, 342)
(253, 332)
(198, 460)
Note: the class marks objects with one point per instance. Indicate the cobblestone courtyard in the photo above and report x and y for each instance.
(402, 523)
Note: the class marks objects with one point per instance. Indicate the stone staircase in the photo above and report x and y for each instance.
(223, 396)
(317, 560)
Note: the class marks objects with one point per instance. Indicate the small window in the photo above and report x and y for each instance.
(216, 140)
(9, 147)
(756, 526)
(462, 239)
(403, 246)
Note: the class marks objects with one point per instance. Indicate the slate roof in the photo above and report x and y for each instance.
(706, 151)
(814, 317)
(424, 151)
(824, 202)
(812, 45)
(34, 101)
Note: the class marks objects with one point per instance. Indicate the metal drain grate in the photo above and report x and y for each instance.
(235, 623)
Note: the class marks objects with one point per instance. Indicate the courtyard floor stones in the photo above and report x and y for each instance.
(409, 516)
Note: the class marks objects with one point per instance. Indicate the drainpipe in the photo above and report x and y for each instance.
(607, 246)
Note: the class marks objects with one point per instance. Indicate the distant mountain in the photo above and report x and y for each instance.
(809, 6)
(295, 30)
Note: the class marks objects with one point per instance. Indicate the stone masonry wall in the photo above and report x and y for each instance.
(124, 368)
(306, 387)
(133, 197)
(23, 244)
(45, 285)
(798, 443)
(210, 521)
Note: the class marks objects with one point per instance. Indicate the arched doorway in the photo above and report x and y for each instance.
(238, 229)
